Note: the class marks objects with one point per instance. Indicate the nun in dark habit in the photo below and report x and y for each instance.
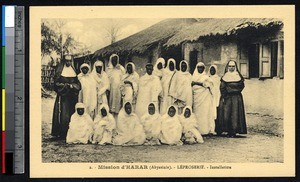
(67, 87)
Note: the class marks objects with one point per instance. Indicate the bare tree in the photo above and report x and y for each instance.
(113, 31)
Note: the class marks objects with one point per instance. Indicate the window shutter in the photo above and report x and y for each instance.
(264, 61)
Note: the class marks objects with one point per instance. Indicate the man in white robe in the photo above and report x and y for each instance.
(216, 80)
(80, 127)
(102, 84)
(180, 87)
(104, 126)
(129, 85)
(150, 90)
(88, 93)
(151, 122)
(159, 67)
(129, 129)
(191, 134)
(115, 73)
(171, 129)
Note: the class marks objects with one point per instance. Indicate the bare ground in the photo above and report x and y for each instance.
(264, 143)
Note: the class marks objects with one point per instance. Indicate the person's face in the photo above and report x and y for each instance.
(231, 68)
(80, 111)
(98, 69)
(171, 111)
(183, 67)
(151, 109)
(171, 66)
(159, 66)
(212, 71)
(84, 70)
(200, 69)
(128, 108)
(114, 61)
(103, 112)
(187, 113)
(68, 63)
(149, 69)
(129, 68)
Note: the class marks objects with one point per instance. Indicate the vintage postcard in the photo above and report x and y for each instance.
(162, 91)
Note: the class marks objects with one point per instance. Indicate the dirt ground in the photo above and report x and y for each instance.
(263, 144)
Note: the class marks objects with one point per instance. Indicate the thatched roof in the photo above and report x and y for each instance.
(141, 41)
(220, 26)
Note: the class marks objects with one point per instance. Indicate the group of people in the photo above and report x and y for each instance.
(164, 106)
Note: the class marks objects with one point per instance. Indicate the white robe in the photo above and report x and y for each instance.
(216, 80)
(149, 90)
(152, 127)
(129, 130)
(171, 130)
(80, 129)
(104, 129)
(190, 130)
(156, 71)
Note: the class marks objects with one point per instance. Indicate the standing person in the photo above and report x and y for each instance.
(180, 87)
(159, 67)
(216, 80)
(151, 122)
(115, 73)
(129, 85)
(190, 131)
(102, 84)
(149, 91)
(203, 100)
(129, 129)
(67, 87)
(231, 109)
(88, 93)
(171, 129)
(81, 126)
(166, 79)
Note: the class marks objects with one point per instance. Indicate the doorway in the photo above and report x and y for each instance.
(253, 55)
(193, 60)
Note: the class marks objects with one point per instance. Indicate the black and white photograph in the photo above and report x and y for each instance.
(201, 90)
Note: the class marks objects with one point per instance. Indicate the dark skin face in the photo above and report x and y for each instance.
(171, 111)
(200, 69)
(151, 109)
(129, 69)
(114, 60)
(80, 111)
(128, 108)
(85, 70)
(103, 112)
(212, 71)
(68, 63)
(171, 66)
(159, 66)
(187, 113)
(99, 69)
(149, 69)
(183, 67)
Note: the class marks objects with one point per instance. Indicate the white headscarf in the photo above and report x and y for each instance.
(231, 76)
(187, 67)
(213, 66)
(199, 77)
(118, 66)
(80, 75)
(167, 70)
(156, 71)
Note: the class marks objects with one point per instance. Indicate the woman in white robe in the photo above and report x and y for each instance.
(115, 72)
(216, 80)
(88, 93)
(104, 126)
(151, 122)
(166, 79)
(102, 84)
(159, 67)
(171, 129)
(180, 87)
(189, 124)
(149, 91)
(129, 85)
(129, 129)
(203, 100)
(80, 127)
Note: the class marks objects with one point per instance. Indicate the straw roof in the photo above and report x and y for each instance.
(220, 26)
(141, 41)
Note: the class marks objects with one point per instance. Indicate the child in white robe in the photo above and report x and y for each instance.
(151, 122)
(171, 129)
(104, 126)
(129, 129)
(80, 127)
(189, 124)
